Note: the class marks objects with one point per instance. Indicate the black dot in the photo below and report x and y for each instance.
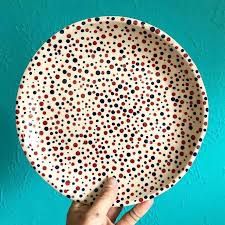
(64, 81)
(129, 22)
(152, 29)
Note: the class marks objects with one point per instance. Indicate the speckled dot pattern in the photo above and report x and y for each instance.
(111, 96)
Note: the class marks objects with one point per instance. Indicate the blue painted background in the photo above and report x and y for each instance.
(198, 25)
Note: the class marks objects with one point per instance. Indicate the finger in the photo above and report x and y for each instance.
(76, 212)
(78, 207)
(106, 198)
(114, 213)
(131, 217)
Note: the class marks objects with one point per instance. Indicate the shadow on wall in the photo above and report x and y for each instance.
(11, 153)
(8, 144)
(11, 156)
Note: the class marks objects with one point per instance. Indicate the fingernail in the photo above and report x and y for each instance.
(111, 181)
(149, 203)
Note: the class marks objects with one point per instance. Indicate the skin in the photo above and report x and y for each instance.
(102, 212)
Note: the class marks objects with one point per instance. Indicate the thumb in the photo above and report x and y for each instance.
(106, 197)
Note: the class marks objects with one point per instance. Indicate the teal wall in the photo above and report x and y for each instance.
(198, 25)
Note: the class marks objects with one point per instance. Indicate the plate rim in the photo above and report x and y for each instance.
(182, 52)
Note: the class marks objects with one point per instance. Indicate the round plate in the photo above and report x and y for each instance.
(111, 96)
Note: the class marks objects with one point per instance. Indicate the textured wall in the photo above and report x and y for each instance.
(198, 25)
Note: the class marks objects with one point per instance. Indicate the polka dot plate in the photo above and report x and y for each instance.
(111, 96)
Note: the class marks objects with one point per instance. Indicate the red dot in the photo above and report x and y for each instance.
(136, 88)
(192, 137)
(145, 124)
(130, 110)
(128, 146)
(77, 153)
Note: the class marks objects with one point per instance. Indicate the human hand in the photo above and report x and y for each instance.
(102, 212)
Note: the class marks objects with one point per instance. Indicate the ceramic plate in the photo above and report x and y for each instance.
(111, 96)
